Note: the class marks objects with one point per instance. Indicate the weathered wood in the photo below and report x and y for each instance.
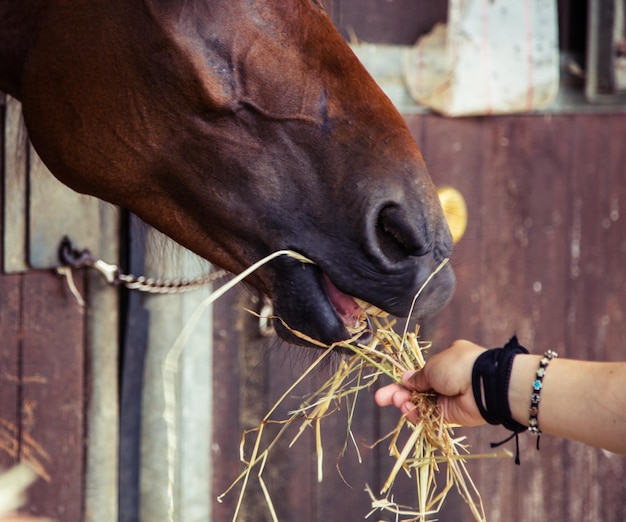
(298, 464)
(53, 392)
(397, 22)
(100, 494)
(15, 216)
(614, 316)
(615, 237)
(225, 408)
(56, 211)
(543, 199)
(591, 287)
(539, 162)
(102, 404)
(10, 370)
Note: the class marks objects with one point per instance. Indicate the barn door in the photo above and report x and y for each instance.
(58, 357)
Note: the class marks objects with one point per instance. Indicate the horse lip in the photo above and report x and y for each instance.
(306, 302)
(352, 311)
(302, 306)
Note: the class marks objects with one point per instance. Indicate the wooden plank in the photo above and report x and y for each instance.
(539, 161)
(290, 473)
(495, 271)
(267, 368)
(343, 496)
(53, 395)
(587, 307)
(10, 371)
(453, 150)
(10, 327)
(225, 408)
(615, 241)
(102, 342)
(56, 211)
(613, 468)
(397, 22)
(528, 208)
(15, 194)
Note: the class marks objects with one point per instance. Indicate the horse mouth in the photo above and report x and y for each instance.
(352, 311)
(308, 306)
(310, 310)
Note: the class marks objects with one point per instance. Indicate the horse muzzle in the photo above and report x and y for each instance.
(310, 310)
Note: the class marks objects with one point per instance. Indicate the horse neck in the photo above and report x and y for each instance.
(18, 23)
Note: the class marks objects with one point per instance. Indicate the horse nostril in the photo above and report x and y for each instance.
(399, 236)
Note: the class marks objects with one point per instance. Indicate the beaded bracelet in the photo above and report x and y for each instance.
(533, 421)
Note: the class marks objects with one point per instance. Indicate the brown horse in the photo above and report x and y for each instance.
(238, 128)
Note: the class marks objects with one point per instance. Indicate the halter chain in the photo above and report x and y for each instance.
(74, 258)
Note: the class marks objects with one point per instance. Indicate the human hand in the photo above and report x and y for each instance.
(448, 373)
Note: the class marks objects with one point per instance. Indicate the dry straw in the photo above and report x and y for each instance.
(431, 448)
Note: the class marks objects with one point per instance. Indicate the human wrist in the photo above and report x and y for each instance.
(490, 383)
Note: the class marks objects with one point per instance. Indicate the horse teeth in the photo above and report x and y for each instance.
(370, 309)
(358, 327)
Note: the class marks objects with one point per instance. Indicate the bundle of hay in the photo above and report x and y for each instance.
(430, 448)
(430, 443)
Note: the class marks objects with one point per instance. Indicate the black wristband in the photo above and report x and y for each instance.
(490, 383)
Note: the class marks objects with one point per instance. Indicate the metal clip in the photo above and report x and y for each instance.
(72, 257)
(75, 258)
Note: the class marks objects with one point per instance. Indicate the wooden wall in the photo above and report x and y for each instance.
(43, 382)
(544, 256)
(58, 358)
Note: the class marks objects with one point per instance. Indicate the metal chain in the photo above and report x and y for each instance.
(167, 286)
(75, 258)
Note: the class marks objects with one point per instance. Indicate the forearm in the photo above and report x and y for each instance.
(584, 401)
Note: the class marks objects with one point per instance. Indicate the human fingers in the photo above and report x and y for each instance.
(398, 396)
(392, 395)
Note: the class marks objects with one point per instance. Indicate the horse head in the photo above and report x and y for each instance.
(238, 128)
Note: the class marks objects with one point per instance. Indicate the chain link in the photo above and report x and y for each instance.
(167, 286)
(74, 258)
